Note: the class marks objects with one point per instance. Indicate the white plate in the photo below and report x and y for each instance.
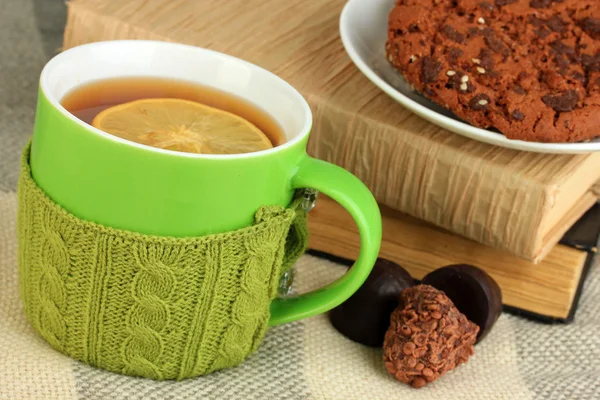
(363, 28)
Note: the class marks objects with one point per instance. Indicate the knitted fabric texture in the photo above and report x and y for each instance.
(150, 306)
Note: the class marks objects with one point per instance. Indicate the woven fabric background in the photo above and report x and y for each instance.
(520, 359)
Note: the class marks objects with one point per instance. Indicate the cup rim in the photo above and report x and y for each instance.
(55, 102)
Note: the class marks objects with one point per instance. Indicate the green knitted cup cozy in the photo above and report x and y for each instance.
(151, 306)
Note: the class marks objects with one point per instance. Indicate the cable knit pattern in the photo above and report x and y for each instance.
(151, 306)
(152, 287)
(54, 263)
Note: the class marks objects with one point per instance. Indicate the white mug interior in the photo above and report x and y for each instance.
(141, 58)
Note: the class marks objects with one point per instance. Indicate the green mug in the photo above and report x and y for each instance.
(129, 186)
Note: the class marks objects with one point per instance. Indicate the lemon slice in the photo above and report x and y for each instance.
(182, 125)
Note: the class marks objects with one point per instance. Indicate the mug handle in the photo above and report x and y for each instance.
(354, 196)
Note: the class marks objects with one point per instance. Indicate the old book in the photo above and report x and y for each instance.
(519, 202)
(548, 290)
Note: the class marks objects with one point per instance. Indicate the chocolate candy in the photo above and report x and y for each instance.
(427, 337)
(365, 316)
(473, 292)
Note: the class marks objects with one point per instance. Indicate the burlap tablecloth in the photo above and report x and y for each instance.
(520, 359)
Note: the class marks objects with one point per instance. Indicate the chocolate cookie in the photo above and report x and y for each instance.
(529, 68)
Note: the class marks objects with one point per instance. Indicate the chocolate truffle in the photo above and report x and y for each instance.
(427, 337)
(475, 293)
(365, 316)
